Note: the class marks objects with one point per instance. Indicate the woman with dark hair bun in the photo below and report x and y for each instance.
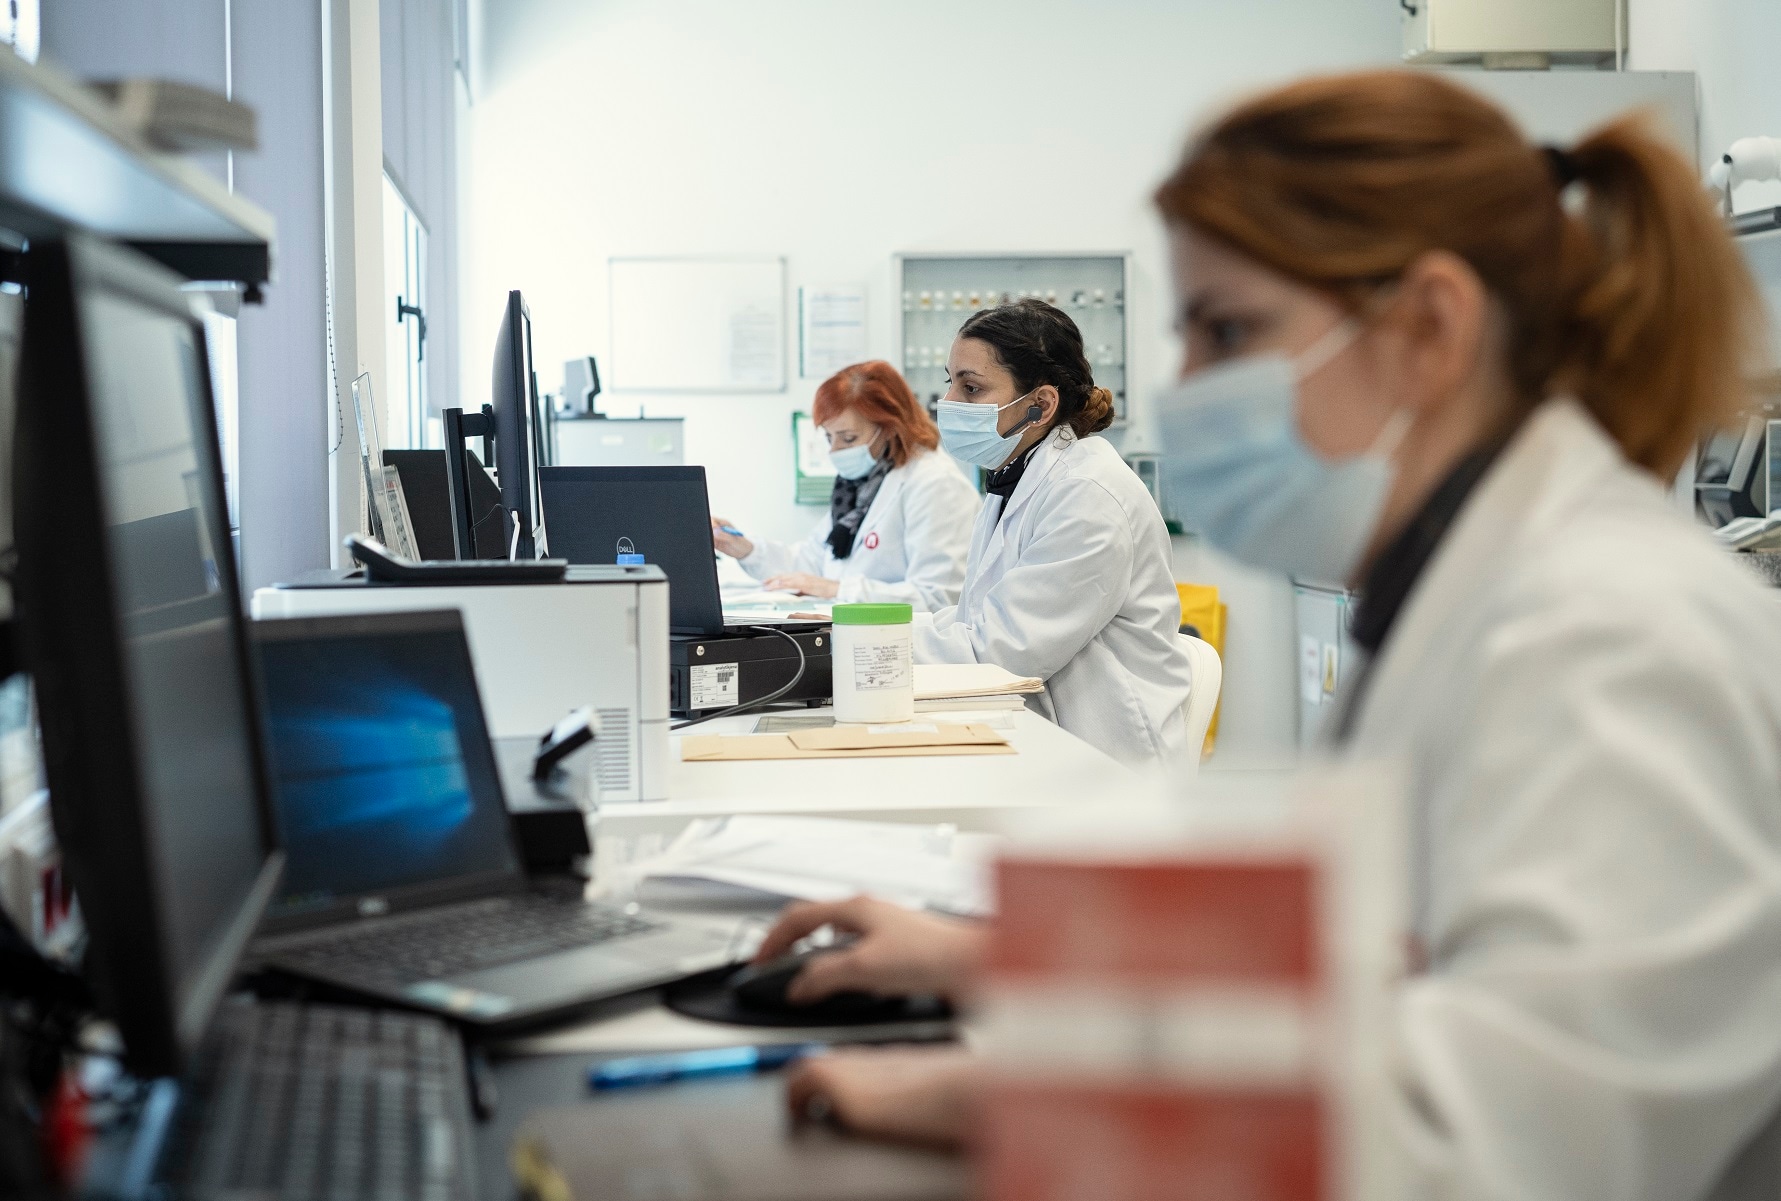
(900, 517)
(1069, 577)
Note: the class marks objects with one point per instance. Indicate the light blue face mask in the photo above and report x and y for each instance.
(968, 431)
(854, 462)
(1236, 470)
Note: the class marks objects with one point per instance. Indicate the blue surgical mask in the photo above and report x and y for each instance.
(1236, 469)
(853, 462)
(968, 431)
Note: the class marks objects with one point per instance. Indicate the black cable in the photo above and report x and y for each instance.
(733, 710)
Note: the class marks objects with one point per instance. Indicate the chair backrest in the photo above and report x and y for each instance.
(1202, 701)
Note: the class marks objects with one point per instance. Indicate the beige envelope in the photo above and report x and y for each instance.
(847, 742)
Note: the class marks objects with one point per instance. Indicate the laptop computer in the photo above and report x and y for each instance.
(661, 513)
(402, 877)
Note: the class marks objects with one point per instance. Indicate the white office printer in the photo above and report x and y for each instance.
(599, 637)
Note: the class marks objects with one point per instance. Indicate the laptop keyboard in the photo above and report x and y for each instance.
(447, 942)
(314, 1101)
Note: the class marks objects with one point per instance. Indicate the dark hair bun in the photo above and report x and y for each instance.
(1097, 412)
(1040, 345)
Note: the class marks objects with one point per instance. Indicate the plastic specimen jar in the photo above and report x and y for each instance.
(874, 665)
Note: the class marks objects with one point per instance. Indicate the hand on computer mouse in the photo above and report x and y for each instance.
(898, 952)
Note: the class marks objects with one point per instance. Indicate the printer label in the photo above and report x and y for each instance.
(714, 685)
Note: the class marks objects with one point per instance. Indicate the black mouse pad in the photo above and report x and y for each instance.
(707, 997)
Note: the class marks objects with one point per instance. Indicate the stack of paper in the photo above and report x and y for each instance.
(944, 686)
(749, 858)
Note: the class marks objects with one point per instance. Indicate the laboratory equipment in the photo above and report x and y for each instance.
(581, 386)
(1737, 470)
(1325, 651)
(618, 441)
(941, 290)
(1529, 34)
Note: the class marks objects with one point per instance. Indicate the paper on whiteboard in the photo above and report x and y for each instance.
(697, 325)
(754, 347)
(831, 329)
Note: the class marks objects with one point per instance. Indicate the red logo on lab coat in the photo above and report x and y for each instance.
(872, 540)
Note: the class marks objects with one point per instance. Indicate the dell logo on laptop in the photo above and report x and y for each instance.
(373, 906)
(625, 547)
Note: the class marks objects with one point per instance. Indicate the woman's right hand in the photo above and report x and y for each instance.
(898, 952)
(733, 545)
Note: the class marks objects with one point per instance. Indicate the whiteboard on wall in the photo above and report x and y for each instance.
(697, 325)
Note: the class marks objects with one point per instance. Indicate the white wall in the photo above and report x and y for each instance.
(836, 135)
(1735, 48)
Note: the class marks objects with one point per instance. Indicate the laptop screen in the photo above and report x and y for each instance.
(385, 781)
(660, 513)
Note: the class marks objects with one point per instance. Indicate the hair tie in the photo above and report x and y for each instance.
(1562, 166)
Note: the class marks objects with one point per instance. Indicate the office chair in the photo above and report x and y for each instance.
(1202, 701)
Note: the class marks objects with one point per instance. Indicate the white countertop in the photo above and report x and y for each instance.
(1050, 767)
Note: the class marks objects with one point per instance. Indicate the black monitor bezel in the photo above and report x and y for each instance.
(353, 907)
(514, 398)
(71, 640)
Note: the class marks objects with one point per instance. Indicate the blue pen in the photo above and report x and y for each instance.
(693, 1065)
(731, 530)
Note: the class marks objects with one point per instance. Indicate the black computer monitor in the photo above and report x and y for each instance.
(661, 513)
(130, 623)
(518, 431)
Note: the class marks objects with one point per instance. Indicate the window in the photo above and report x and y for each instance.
(225, 389)
(19, 27)
(404, 418)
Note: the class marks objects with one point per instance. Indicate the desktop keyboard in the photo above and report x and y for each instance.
(440, 943)
(315, 1101)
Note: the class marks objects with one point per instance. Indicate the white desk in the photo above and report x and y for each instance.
(1050, 767)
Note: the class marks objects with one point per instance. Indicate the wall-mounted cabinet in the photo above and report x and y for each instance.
(939, 291)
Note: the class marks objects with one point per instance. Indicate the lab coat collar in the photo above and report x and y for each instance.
(1558, 459)
(1046, 457)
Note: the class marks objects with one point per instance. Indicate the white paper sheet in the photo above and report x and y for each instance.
(817, 859)
(831, 329)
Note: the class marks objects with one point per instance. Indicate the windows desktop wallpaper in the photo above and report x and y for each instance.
(373, 788)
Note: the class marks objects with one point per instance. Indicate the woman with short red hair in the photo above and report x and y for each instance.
(900, 516)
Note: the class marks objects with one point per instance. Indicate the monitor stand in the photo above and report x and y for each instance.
(459, 428)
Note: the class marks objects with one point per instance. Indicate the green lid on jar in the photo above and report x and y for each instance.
(874, 615)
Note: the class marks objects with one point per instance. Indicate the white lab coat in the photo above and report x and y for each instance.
(1588, 694)
(1073, 586)
(911, 546)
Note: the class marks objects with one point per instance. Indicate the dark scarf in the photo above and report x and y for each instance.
(848, 504)
(1005, 479)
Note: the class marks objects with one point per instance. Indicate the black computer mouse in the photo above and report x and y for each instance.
(763, 985)
(760, 988)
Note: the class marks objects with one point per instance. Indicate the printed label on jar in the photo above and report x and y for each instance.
(882, 668)
(715, 685)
